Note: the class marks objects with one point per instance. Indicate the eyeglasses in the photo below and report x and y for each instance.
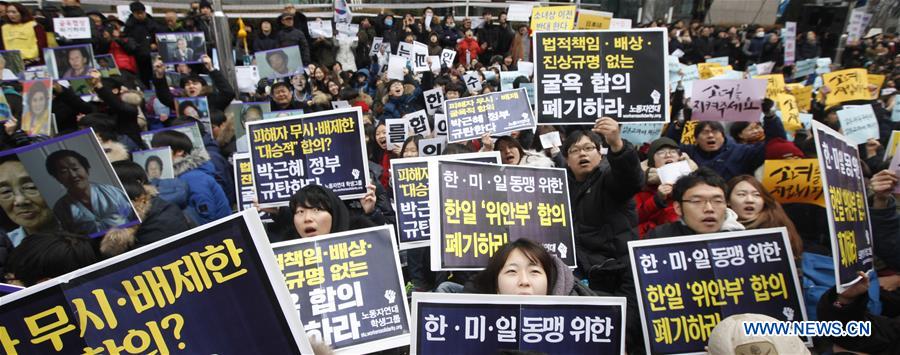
(28, 190)
(667, 152)
(713, 202)
(585, 148)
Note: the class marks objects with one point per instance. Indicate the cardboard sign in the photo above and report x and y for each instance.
(794, 181)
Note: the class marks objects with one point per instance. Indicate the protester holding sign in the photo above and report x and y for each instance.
(654, 201)
(523, 267)
(219, 95)
(21, 32)
(727, 158)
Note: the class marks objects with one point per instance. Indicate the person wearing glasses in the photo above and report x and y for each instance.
(602, 185)
(701, 206)
(22, 202)
(654, 202)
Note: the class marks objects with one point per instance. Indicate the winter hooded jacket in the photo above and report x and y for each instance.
(159, 220)
(206, 199)
(678, 228)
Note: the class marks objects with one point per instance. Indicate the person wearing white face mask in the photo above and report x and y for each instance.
(754, 47)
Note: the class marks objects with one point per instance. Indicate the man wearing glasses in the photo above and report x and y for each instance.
(701, 205)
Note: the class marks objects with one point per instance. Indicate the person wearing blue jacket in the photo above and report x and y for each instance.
(727, 158)
(206, 200)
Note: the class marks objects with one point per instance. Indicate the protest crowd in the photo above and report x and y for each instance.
(689, 177)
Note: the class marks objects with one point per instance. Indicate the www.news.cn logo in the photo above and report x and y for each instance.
(808, 329)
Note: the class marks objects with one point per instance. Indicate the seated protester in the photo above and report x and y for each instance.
(159, 219)
(654, 202)
(223, 133)
(44, 256)
(724, 156)
(316, 210)
(117, 146)
(853, 305)
(224, 171)
(283, 98)
(129, 119)
(728, 338)
(602, 199)
(23, 204)
(195, 86)
(752, 132)
(757, 209)
(512, 153)
(699, 201)
(207, 201)
(405, 97)
(67, 106)
(523, 267)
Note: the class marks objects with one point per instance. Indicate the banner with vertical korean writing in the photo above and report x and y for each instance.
(553, 18)
(483, 206)
(493, 324)
(846, 85)
(494, 113)
(728, 100)
(409, 179)
(348, 289)
(846, 203)
(243, 184)
(214, 289)
(583, 75)
(774, 84)
(325, 148)
(687, 285)
(794, 181)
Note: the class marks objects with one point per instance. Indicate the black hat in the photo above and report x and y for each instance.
(137, 7)
(191, 77)
(658, 144)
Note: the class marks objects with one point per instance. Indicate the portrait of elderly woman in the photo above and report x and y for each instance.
(87, 207)
(22, 202)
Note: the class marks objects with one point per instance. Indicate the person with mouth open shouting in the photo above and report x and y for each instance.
(654, 202)
(756, 208)
(701, 204)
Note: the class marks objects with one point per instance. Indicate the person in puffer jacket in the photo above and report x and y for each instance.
(206, 199)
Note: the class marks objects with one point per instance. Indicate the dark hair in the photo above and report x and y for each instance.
(150, 159)
(411, 139)
(457, 148)
(217, 117)
(251, 107)
(317, 196)
(278, 52)
(575, 136)
(486, 280)
(36, 87)
(285, 84)
(23, 11)
(772, 214)
(736, 129)
(132, 176)
(172, 138)
(58, 155)
(511, 141)
(184, 105)
(702, 175)
(48, 255)
(714, 125)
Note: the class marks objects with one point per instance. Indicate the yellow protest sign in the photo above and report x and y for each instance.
(892, 144)
(803, 95)
(705, 69)
(687, 134)
(790, 113)
(794, 181)
(877, 80)
(593, 20)
(553, 18)
(846, 85)
(774, 85)
(719, 70)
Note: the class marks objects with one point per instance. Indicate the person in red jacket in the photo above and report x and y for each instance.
(468, 44)
(654, 201)
(122, 49)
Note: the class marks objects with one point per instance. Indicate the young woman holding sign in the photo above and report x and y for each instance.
(523, 267)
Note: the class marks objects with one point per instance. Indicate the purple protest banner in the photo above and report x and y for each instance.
(728, 100)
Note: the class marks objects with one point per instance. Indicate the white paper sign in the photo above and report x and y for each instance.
(670, 173)
(434, 100)
(376, 45)
(678, 53)
(247, 78)
(473, 82)
(123, 11)
(418, 123)
(526, 68)
(550, 140)
(72, 27)
(432, 146)
(320, 29)
(519, 12)
(420, 57)
(340, 104)
(620, 24)
(397, 129)
(396, 64)
(447, 56)
(440, 124)
(405, 50)
(858, 123)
